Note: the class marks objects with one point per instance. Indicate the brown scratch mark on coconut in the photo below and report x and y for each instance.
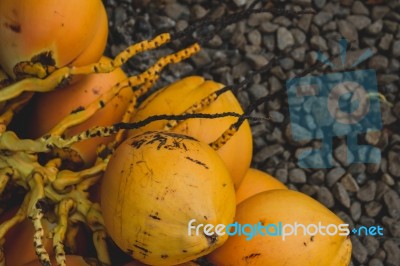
(197, 162)
(251, 256)
(13, 26)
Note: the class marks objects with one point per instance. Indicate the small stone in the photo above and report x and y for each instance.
(257, 19)
(325, 197)
(396, 48)
(269, 42)
(390, 26)
(367, 192)
(297, 176)
(349, 183)
(375, 27)
(334, 175)
(343, 155)
(388, 179)
(274, 84)
(302, 2)
(381, 189)
(258, 91)
(286, 63)
(373, 168)
(284, 38)
(240, 2)
(373, 208)
(298, 54)
(254, 37)
(348, 31)
(372, 137)
(371, 244)
(267, 152)
(394, 163)
(305, 22)
(375, 262)
(378, 62)
(319, 43)
(380, 254)
(317, 178)
(330, 26)
(322, 18)
(379, 11)
(355, 210)
(276, 116)
(341, 195)
(392, 201)
(282, 175)
(359, 21)
(299, 36)
(309, 190)
(283, 21)
(346, 2)
(359, 8)
(175, 10)
(359, 252)
(199, 11)
(392, 252)
(393, 225)
(268, 27)
(346, 218)
(258, 60)
(319, 3)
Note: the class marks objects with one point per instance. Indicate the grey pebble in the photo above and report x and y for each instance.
(258, 60)
(348, 30)
(317, 178)
(341, 195)
(346, 2)
(276, 116)
(378, 62)
(379, 11)
(392, 252)
(375, 27)
(254, 37)
(282, 175)
(394, 163)
(319, 3)
(309, 190)
(390, 26)
(305, 22)
(375, 262)
(334, 175)
(392, 202)
(284, 38)
(269, 42)
(381, 189)
(319, 43)
(283, 21)
(175, 10)
(373, 208)
(349, 183)
(393, 225)
(258, 91)
(359, 21)
(297, 176)
(274, 84)
(371, 244)
(330, 26)
(360, 253)
(257, 19)
(367, 192)
(268, 27)
(359, 8)
(267, 152)
(299, 36)
(322, 18)
(325, 197)
(355, 210)
(388, 179)
(396, 48)
(298, 54)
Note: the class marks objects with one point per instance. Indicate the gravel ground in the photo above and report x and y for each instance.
(361, 194)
